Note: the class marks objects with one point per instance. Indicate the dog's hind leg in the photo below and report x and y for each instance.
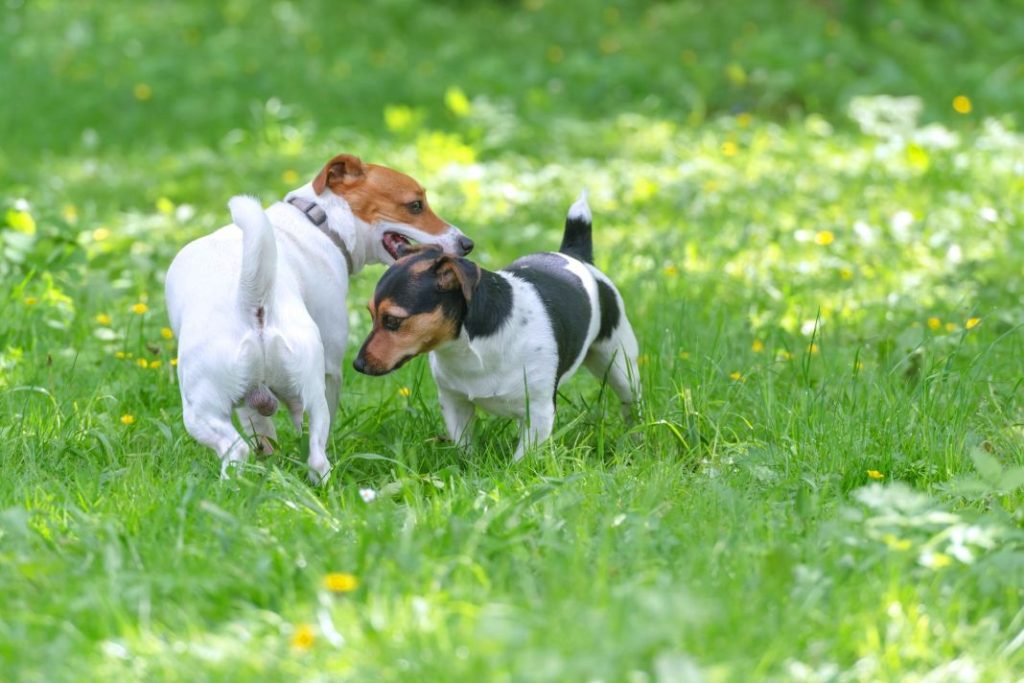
(319, 431)
(616, 364)
(213, 428)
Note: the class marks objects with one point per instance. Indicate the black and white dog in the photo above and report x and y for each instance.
(505, 340)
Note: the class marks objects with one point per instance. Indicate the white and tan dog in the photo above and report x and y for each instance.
(258, 307)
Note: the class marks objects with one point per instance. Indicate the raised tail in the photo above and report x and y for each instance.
(259, 255)
(576, 241)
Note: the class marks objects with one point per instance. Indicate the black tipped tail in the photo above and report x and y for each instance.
(576, 241)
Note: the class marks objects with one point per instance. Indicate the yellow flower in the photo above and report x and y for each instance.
(165, 206)
(846, 273)
(154, 364)
(290, 177)
(103, 319)
(744, 119)
(671, 270)
(100, 234)
(783, 354)
(736, 376)
(127, 419)
(120, 355)
(972, 323)
(304, 637)
(31, 301)
(642, 359)
(142, 363)
(950, 327)
(729, 148)
(813, 348)
(339, 582)
(166, 332)
(875, 474)
(69, 213)
(962, 104)
(174, 362)
(934, 323)
(405, 392)
(824, 238)
(142, 92)
(456, 101)
(140, 308)
(896, 543)
(939, 560)
(757, 346)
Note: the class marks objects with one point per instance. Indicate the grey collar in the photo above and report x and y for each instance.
(318, 217)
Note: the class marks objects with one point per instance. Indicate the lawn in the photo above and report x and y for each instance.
(813, 212)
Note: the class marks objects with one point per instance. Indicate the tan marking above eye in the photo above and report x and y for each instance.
(393, 310)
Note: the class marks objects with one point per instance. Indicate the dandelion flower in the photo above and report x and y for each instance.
(104, 319)
(31, 301)
(972, 323)
(100, 234)
(127, 419)
(140, 308)
(936, 560)
(174, 362)
(951, 327)
(290, 177)
(757, 346)
(934, 323)
(962, 104)
(154, 364)
(736, 376)
(824, 238)
(166, 332)
(671, 270)
(304, 637)
(875, 474)
(405, 392)
(340, 582)
(142, 363)
(729, 148)
(813, 348)
(120, 355)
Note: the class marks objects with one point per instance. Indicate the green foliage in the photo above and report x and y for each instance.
(820, 255)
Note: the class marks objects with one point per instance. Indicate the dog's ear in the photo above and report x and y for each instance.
(343, 169)
(457, 273)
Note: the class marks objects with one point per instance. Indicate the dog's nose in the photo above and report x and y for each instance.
(465, 244)
(359, 364)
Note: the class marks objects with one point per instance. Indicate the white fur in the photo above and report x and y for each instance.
(512, 372)
(280, 261)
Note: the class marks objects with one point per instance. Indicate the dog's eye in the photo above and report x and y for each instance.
(390, 322)
(415, 207)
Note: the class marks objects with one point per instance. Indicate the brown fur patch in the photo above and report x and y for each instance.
(420, 333)
(378, 193)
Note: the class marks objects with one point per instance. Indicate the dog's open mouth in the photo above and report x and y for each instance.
(393, 242)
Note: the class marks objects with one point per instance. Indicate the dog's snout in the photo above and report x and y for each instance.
(465, 244)
(359, 364)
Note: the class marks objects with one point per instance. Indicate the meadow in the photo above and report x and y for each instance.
(813, 211)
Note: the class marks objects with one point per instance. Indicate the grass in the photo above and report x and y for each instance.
(825, 483)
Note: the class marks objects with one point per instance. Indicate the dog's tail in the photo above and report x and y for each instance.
(576, 241)
(259, 255)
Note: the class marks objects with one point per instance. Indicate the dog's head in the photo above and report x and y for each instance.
(418, 305)
(392, 206)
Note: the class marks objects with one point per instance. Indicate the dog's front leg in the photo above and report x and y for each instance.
(535, 428)
(458, 414)
(332, 388)
(319, 431)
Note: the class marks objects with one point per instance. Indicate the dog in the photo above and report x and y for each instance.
(258, 306)
(504, 341)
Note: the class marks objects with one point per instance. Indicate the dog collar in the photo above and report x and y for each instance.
(318, 217)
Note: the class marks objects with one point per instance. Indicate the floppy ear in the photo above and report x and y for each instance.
(344, 169)
(457, 273)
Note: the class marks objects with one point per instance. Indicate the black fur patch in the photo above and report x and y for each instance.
(491, 305)
(576, 240)
(609, 309)
(417, 292)
(564, 299)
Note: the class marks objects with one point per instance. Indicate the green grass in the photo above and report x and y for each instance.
(815, 297)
